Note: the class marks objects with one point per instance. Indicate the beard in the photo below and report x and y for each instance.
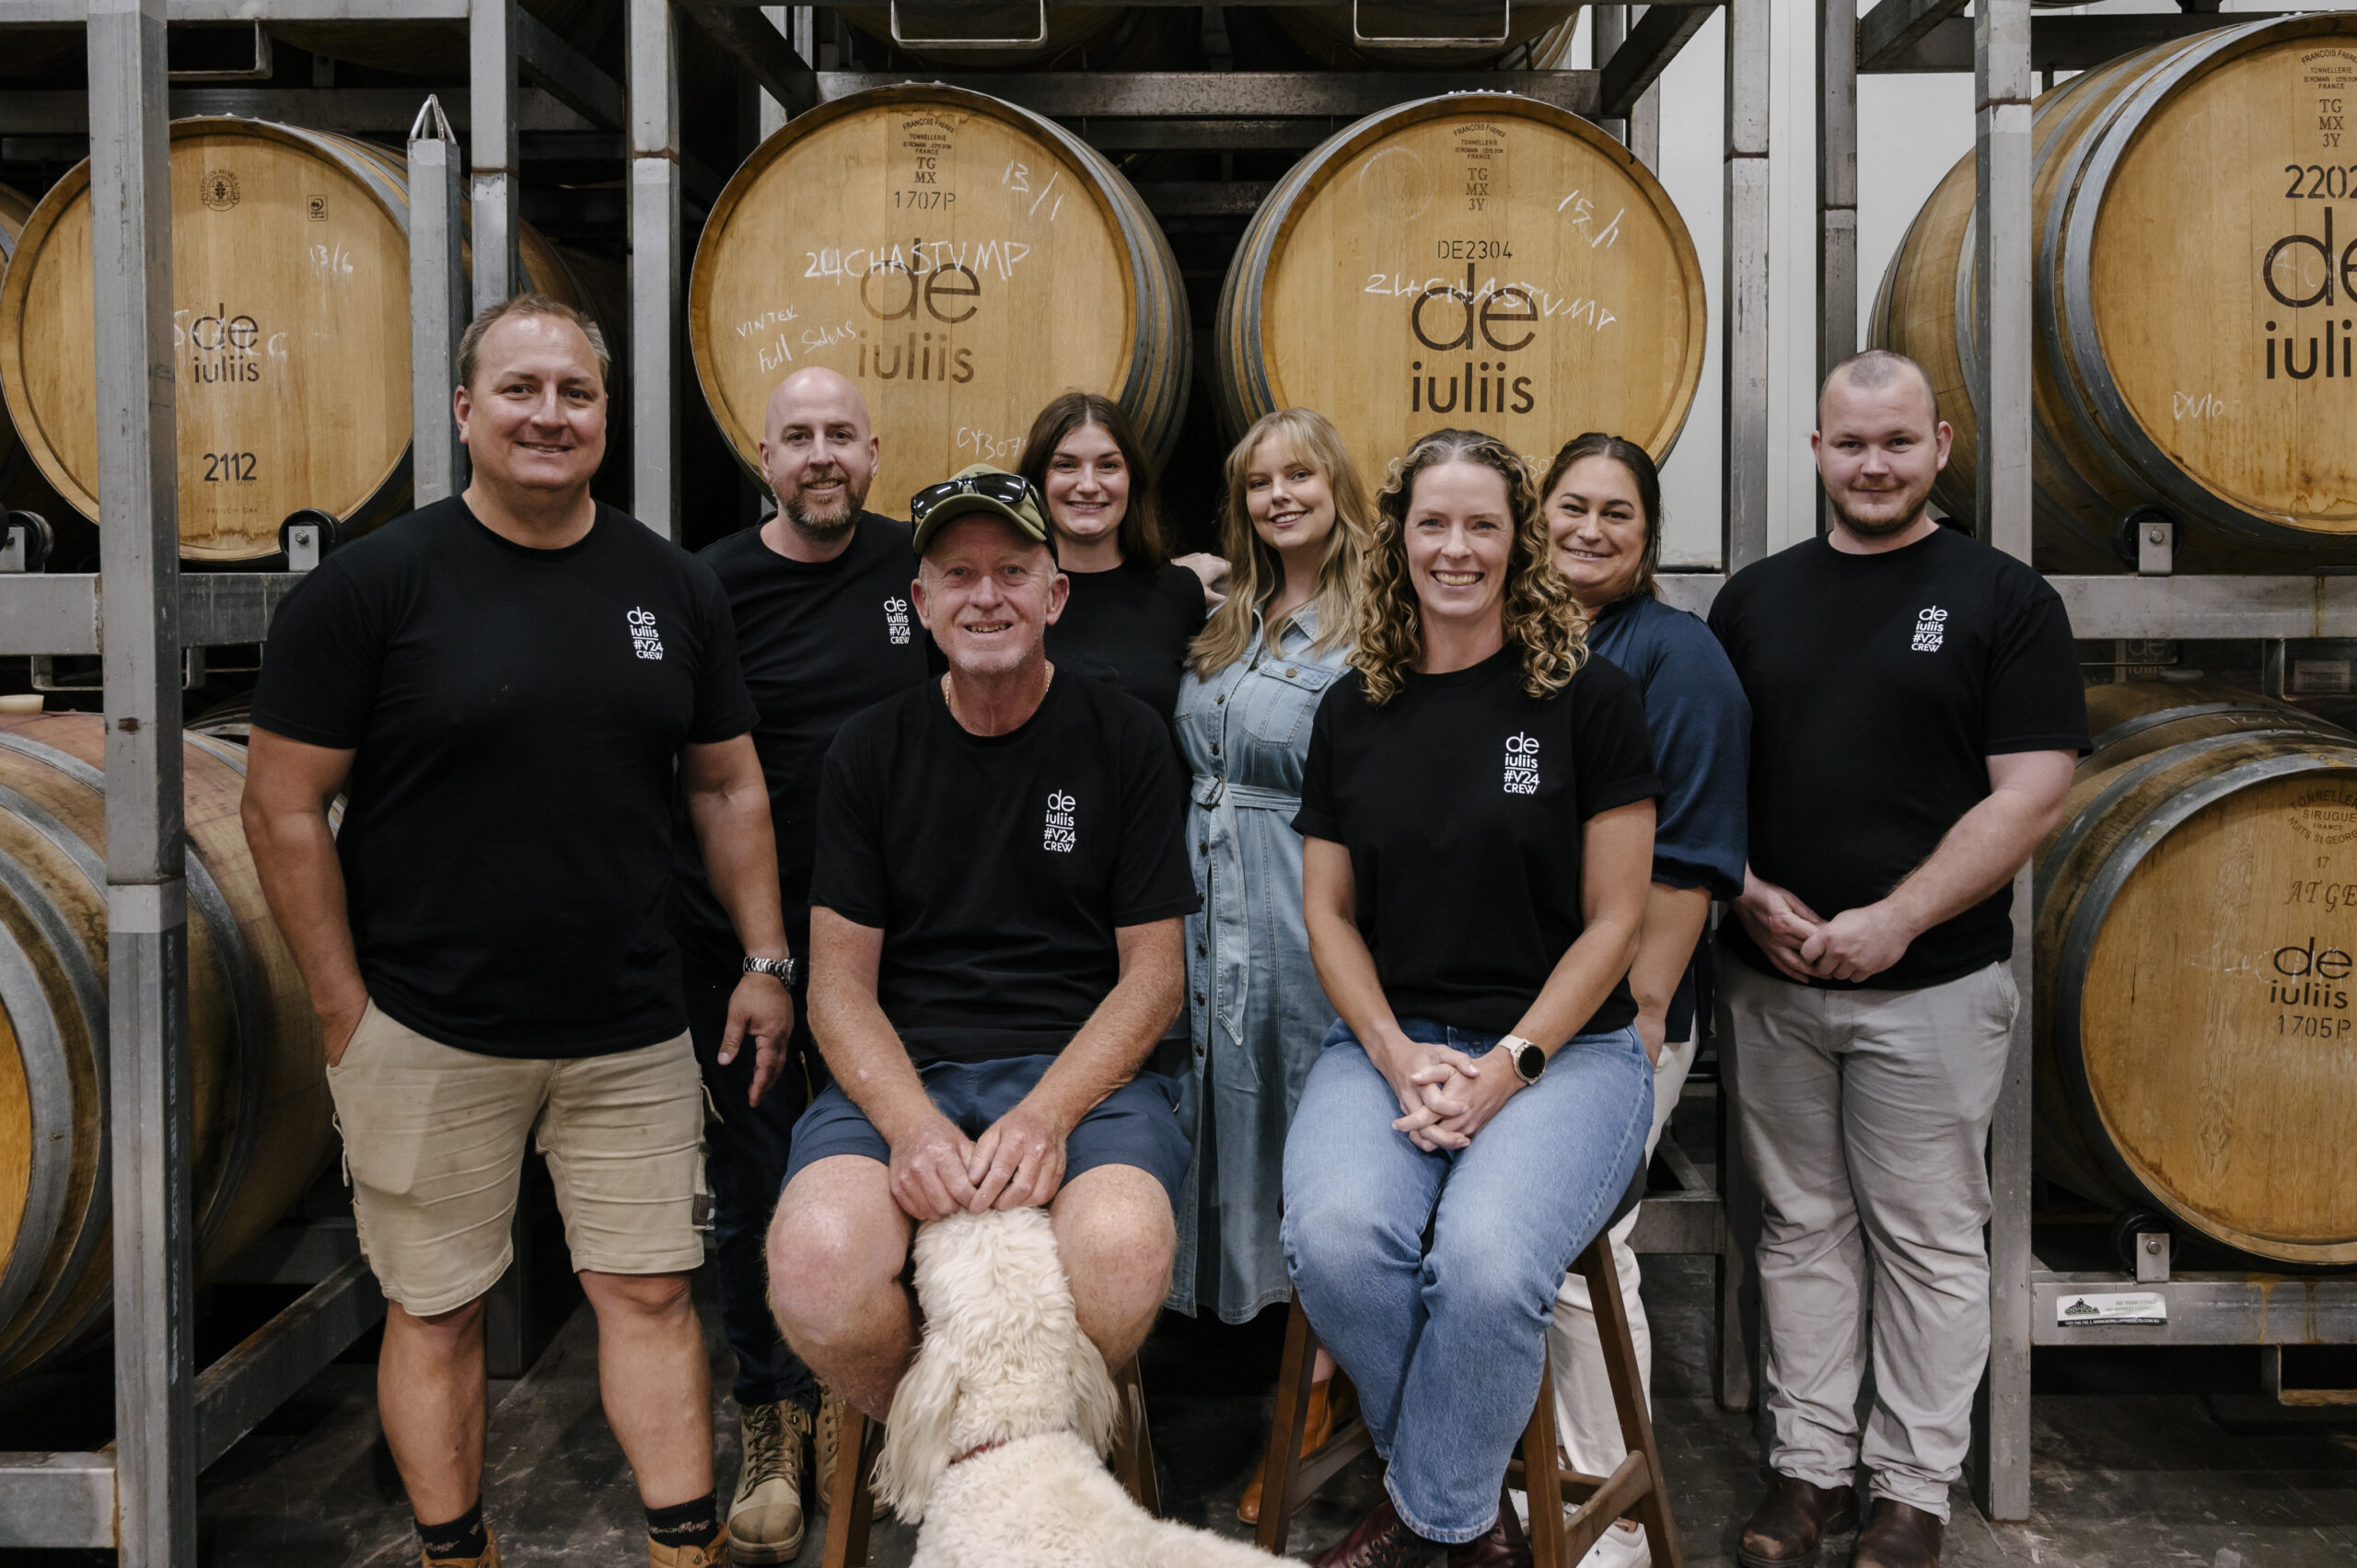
(1897, 521)
(827, 523)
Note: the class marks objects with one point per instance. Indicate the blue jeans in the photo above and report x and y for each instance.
(1447, 1339)
(745, 1158)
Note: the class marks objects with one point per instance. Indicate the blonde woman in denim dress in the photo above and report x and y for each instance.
(1296, 528)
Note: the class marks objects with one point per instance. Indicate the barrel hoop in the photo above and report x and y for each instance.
(245, 1011)
(2102, 154)
(2159, 717)
(83, 976)
(2086, 924)
(51, 1091)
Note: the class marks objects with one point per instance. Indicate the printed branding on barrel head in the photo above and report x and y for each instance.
(2326, 814)
(219, 190)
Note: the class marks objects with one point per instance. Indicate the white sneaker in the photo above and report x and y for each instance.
(1622, 1546)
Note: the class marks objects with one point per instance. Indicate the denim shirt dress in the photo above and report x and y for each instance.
(1256, 1013)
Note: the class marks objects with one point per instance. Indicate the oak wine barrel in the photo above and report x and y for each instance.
(2196, 967)
(2196, 232)
(291, 332)
(1478, 260)
(960, 259)
(260, 1107)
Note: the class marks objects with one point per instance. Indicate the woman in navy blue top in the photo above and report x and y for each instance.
(1603, 510)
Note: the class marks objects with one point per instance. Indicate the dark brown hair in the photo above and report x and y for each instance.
(1141, 532)
(1639, 464)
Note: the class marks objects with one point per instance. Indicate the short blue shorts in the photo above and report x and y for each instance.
(1137, 1124)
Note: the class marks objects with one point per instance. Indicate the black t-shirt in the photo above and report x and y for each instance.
(1130, 628)
(1461, 801)
(517, 715)
(999, 867)
(1880, 685)
(818, 644)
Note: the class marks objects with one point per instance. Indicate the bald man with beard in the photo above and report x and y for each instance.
(820, 596)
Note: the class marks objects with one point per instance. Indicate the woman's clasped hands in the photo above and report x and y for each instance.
(1445, 1096)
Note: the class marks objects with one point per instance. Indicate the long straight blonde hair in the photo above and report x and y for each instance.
(1256, 574)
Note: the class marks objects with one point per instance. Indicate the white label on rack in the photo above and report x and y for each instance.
(2121, 1307)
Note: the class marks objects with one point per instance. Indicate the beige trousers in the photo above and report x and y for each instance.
(1586, 1422)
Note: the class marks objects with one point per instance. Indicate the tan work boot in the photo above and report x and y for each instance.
(713, 1556)
(490, 1558)
(827, 1438)
(765, 1520)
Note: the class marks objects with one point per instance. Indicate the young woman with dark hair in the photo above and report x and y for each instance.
(1132, 612)
(1603, 510)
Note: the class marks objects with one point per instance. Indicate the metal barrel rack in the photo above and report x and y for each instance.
(138, 1496)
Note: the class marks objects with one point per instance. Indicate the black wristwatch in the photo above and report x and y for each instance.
(784, 969)
(1527, 1059)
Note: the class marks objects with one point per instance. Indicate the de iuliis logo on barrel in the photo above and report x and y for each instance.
(1522, 764)
(1063, 833)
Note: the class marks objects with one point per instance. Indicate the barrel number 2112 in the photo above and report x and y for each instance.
(231, 467)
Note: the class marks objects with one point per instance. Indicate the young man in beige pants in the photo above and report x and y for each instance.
(1916, 710)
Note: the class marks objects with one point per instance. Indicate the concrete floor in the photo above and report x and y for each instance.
(2123, 1479)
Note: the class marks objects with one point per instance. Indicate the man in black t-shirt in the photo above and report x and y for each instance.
(1917, 709)
(504, 685)
(997, 914)
(819, 594)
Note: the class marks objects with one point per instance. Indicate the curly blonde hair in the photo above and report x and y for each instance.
(1543, 622)
(1255, 574)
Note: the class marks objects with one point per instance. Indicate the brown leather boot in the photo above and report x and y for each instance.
(1331, 1403)
(1785, 1529)
(1503, 1547)
(1381, 1540)
(1897, 1535)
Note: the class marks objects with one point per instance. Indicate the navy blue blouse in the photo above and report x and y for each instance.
(1701, 733)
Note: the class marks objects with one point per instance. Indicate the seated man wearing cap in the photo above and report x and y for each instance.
(997, 912)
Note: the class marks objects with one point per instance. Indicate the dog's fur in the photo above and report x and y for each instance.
(1005, 1363)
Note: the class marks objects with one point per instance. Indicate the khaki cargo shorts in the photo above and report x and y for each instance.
(433, 1144)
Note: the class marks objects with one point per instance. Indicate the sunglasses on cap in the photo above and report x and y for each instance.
(1007, 488)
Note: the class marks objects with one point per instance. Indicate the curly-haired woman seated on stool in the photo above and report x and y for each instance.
(1478, 812)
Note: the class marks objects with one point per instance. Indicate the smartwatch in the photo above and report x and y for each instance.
(1527, 1059)
(784, 969)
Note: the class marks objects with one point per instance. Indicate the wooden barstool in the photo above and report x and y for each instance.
(850, 1507)
(1636, 1486)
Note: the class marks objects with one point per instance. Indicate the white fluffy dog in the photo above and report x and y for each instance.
(998, 1431)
